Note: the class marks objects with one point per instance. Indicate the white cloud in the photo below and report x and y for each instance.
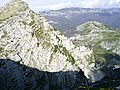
(100, 3)
(58, 4)
(90, 4)
(81, 3)
(53, 6)
(114, 3)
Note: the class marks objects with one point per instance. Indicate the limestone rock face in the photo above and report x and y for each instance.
(27, 37)
(30, 42)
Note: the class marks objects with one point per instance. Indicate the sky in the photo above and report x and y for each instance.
(41, 5)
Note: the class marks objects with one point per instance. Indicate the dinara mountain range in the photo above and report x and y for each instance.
(36, 56)
(67, 19)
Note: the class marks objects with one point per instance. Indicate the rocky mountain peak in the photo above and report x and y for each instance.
(27, 40)
(12, 8)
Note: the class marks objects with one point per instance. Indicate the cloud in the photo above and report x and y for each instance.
(40, 5)
(114, 3)
(53, 6)
(100, 3)
(80, 3)
(90, 4)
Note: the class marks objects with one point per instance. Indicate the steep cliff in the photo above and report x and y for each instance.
(30, 42)
(27, 39)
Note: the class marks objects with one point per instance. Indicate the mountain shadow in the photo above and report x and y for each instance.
(16, 76)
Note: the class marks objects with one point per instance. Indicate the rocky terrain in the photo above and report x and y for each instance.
(105, 43)
(102, 39)
(33, 55)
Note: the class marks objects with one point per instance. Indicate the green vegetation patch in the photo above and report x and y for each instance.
(64, 51)
(5, 34)
(25, 23)
(32, 22)
(1, 49)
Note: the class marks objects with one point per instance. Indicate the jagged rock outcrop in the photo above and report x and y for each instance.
(27, 39)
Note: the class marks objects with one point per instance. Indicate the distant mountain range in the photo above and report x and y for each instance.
(67, 19)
